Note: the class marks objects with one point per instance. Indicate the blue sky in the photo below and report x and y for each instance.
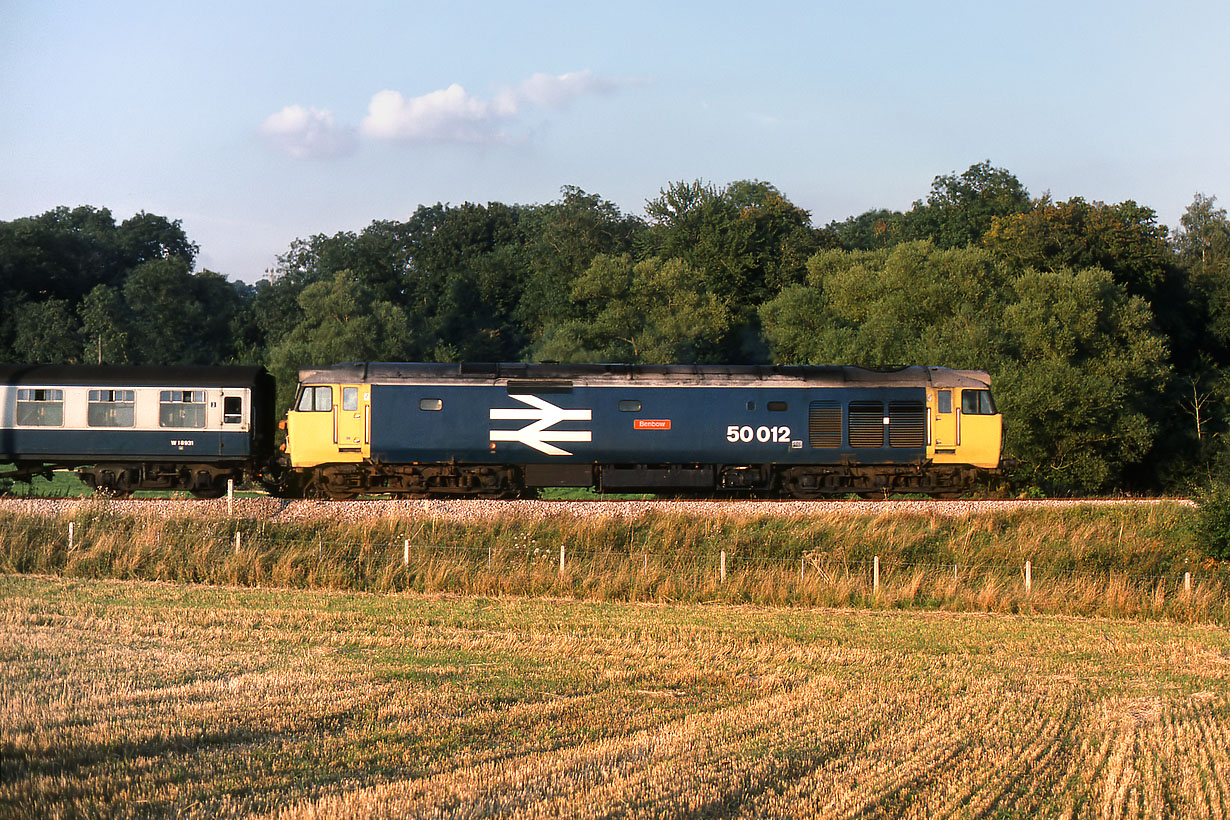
(259, 122)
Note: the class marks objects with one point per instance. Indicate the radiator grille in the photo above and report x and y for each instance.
(866, 424)
(824, 423)
(907, 424)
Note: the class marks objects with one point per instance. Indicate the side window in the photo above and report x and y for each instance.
(431, 404)
(37, 407)
(350, 398)
(777, 406)
(111, 408)
(181, 408)
(232, 410)
(977, 403)
(944, 400)
(316, 399)
(629, 406)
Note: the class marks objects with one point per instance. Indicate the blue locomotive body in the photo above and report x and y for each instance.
(496, 430)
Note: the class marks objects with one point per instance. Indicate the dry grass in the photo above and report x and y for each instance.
(132, 699)
(1126, 562)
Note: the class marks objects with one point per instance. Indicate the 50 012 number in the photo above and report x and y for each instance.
(764, 435)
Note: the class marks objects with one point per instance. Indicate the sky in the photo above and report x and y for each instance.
(257, 123)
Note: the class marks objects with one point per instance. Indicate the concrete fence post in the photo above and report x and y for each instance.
(1187, 582)
(561, 559)
(723, 567)
(237, 541)
(1029, 576)
(405, 553)
(875, 574)
(230, 497)
(70, 536)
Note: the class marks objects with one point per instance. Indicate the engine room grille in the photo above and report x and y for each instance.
(866, 424)
(907, 424)
(824, 423)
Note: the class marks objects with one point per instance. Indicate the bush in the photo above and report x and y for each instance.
(1214, 526)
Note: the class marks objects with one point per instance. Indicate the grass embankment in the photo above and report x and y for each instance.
(129, 699)
(1122, 561)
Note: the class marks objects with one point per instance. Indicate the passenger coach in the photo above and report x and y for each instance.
(138, 428)
(497, 429)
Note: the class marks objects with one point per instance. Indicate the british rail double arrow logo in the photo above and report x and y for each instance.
(545, 416)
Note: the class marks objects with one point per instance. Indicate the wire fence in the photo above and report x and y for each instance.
(253, 554)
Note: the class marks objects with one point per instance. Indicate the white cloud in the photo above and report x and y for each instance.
(447, 115)
(308, 133)
(551, 91)
(454, 115)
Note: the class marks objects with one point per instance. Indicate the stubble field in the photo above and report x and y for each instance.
(132, 699)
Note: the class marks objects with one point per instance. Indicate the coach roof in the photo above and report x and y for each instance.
(131, 375)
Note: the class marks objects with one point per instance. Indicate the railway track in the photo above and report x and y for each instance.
(466, 509)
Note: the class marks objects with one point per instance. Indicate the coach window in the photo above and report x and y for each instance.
(37, 407)
(232, 409)
(318, 399)
(629, 406)
(181, 408)
(111, 408)
(431, 404)
(977, 403)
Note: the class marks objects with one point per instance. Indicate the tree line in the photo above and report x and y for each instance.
(1106, 333)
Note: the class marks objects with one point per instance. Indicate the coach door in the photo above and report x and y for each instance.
(352, 416)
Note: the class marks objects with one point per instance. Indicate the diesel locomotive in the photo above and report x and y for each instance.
(500, 430)
(505, 430)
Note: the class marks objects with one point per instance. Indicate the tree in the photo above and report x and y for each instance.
(960, 209)
(104, 326)
(911, 304)
(747, 239)
(45, 333)
(562, 239)
(1123, 239)
(177, 317)
(653, 311)
(342, 321)
(1075, 362)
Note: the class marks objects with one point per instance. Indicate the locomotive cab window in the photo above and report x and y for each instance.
(38, 407)
(977, 403)
(944, 401)
(181, 408)
(431, 404)
(232, 410)
(629, 406)
(350, 398)
(315, 399)
(111, 408)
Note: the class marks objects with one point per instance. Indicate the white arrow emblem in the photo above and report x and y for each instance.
(537, 435)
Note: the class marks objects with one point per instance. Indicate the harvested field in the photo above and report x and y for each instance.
(132, 699)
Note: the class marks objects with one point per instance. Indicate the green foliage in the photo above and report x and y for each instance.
(960, 209)
(343, 321)
(1074, 357)
(1214, 525)
(647, 312)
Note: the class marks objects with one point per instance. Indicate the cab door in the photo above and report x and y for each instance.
(351, 419)
(944, 421)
